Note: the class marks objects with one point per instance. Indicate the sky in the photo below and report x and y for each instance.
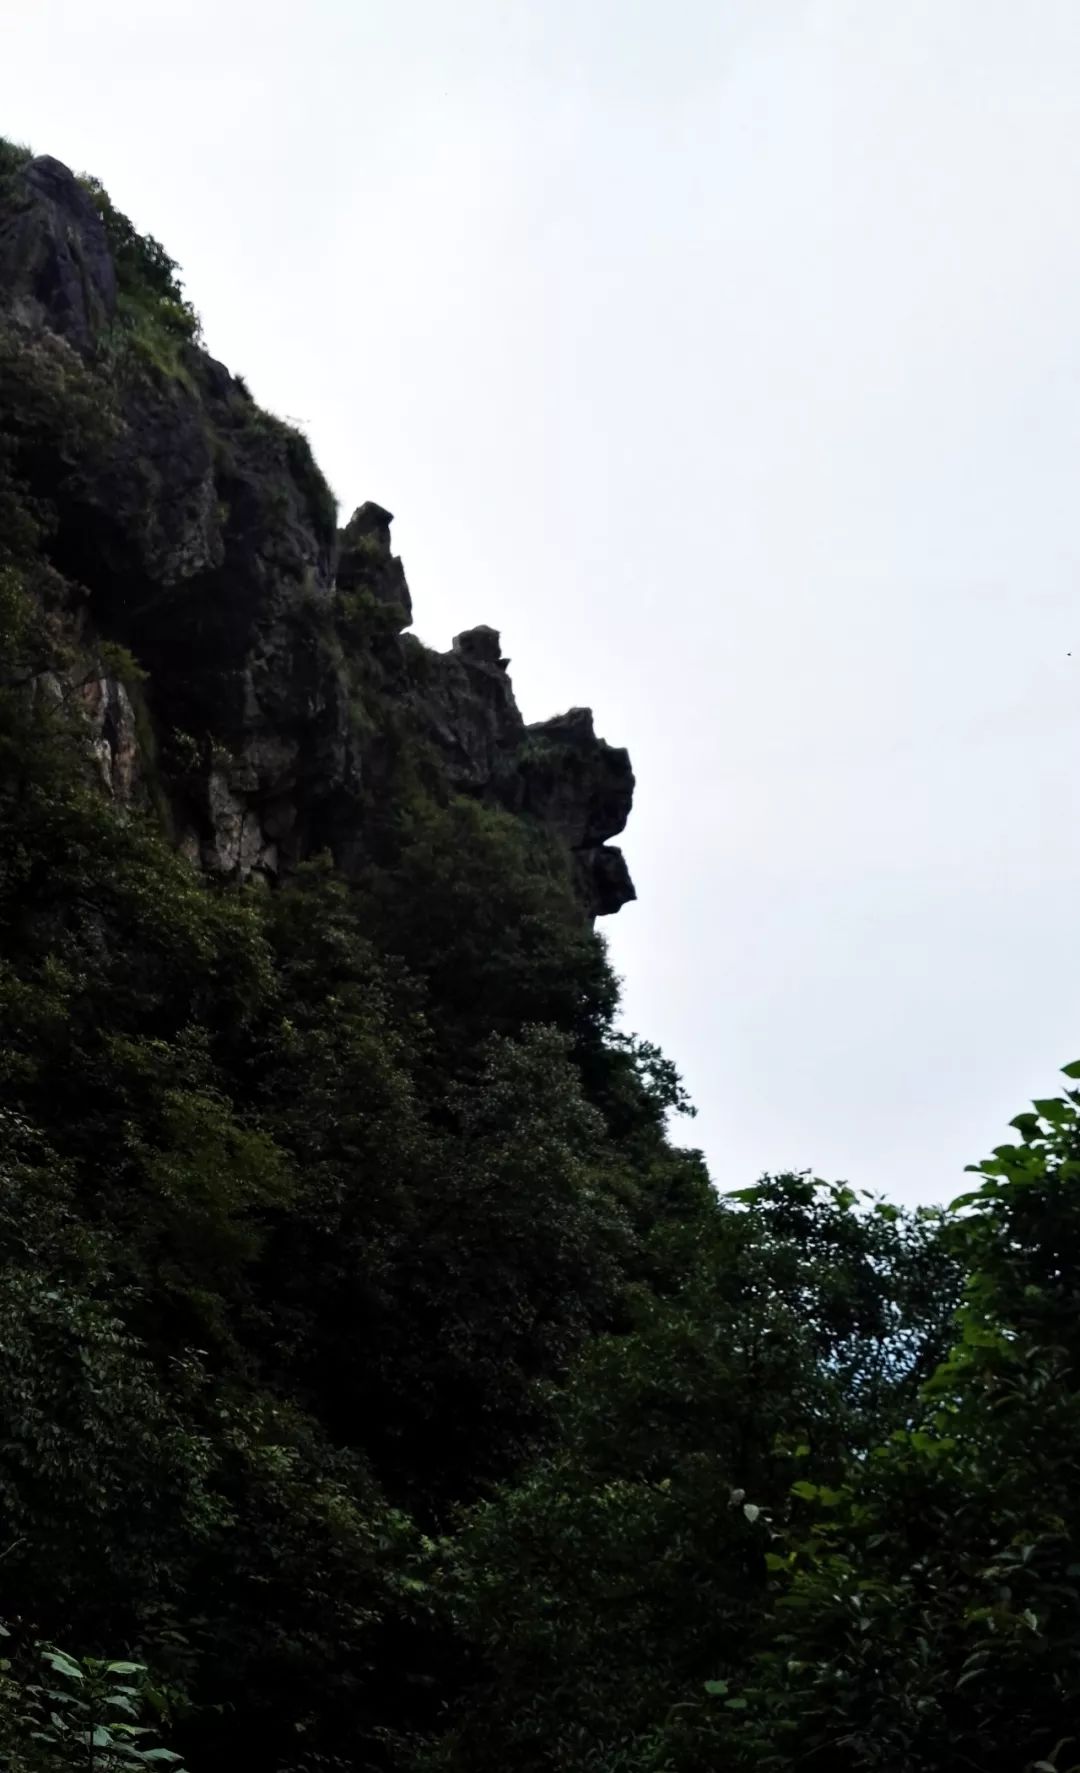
(725, 355)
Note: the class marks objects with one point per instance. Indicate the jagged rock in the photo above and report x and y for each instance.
(468, 712)
(370, 519)
(582, 789)
(365, 561)
(480, 646)
(54, 257)
(604, 879)
(575, 783)
(196, 531)
(114, 737)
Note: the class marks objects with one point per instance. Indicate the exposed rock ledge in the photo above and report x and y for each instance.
(194, 532)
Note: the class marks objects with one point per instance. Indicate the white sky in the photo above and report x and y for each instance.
(724, 354)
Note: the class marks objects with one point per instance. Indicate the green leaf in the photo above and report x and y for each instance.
(808, 1491)
(751, 1511)
(125, 1668)
(63, 1664)
(965, 1200)
(162, 1754)
(1052, 1108)
(1072, 1070)
(716, 1689)
(1027, 1125)
(735, 1704)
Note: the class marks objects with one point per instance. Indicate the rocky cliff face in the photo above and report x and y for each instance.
(242, 664)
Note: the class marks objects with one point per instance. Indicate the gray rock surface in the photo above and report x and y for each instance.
(195, 531)
(54, 257)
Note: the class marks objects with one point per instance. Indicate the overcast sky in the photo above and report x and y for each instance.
(724, 354)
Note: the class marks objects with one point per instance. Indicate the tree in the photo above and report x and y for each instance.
(629, 1567)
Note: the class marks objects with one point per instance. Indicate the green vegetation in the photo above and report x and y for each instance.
(152, 306)
(306, 472)
(58, 1710)
(381, 1387)
(293, 453)
(120, 662)
(13, 156)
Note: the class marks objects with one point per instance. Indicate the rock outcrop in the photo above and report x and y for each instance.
(54, 255)
(270, 686)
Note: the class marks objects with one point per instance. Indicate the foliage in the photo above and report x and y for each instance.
(151, 294)
(290, 1206)
(630, 1566)
(481, 908)
(374, 1369)
(13, 156)
(300, 464)
(58, 1710)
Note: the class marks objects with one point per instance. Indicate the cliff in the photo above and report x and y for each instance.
(310, 1197)
(245, 668)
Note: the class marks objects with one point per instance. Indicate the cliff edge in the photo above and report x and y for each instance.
(244, 666)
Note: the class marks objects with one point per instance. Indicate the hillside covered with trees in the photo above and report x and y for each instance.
(381, 1386)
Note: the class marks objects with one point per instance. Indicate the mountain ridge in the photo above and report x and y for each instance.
(242, 663)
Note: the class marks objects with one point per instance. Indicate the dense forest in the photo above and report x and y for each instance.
(381, 1386)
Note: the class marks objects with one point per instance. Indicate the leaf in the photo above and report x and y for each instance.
(1072, 1070)
(1052, 1108)
(716, 1689)
(972, 1675)
(162, 1754)
(751, 1511)
(805, 1489)
(63, 1664)
(1027, 1125)
(735, 1704)
(125, 1668)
